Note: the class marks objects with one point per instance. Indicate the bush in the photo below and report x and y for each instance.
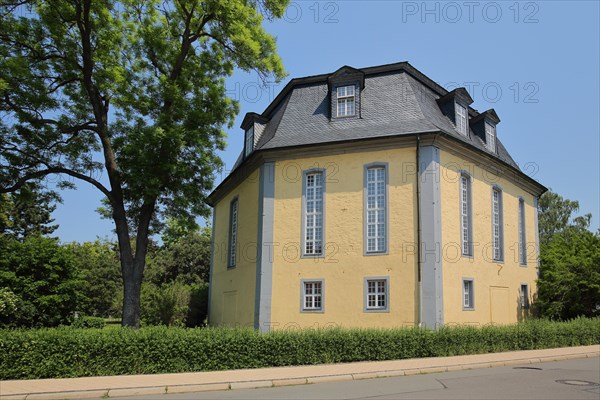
(174, 304)
(42, 276)
(67, 352)
(88, 322)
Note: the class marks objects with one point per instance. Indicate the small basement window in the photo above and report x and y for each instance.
(346, 101)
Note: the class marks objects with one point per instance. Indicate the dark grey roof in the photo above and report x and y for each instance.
(396, 100)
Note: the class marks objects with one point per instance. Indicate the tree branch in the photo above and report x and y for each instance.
(56, 170)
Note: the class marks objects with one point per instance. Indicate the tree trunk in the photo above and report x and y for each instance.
(132, 285)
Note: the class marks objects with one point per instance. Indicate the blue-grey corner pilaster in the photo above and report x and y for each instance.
(212, 261)
(536, 200)
(432, 300)
(264, 259)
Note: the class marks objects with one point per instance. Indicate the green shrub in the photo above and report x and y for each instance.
(88, 322)
(66, 352)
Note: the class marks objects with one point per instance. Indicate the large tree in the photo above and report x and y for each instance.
(128, 96)
(569, 282)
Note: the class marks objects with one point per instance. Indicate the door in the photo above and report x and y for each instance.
(499, 305)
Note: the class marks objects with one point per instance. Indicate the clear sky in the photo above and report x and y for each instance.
(537, 63)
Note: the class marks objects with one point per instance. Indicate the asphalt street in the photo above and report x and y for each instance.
(570, 379)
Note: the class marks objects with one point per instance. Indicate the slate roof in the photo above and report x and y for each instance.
(397, 99)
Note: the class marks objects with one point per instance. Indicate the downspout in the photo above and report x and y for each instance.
(419, 284)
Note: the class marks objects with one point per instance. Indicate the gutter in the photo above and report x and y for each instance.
(419, 284)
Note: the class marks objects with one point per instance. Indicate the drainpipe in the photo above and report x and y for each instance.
(419, 283)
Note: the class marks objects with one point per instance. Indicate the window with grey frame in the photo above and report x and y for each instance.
(249, 141)
(468, 294)
(522, 233)
(490, 136)
(314, 183)
(376, 294)
(376, 204)
(497, 225)
(312, 295)
(346, 101)
(461, 119)
(524, 296)
(466, 222)
(233, 228)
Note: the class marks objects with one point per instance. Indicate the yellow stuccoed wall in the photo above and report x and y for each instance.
(233, 290)
(488, 275)
(344, 266)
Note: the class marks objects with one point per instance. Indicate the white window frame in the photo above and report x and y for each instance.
(524, 296)
(234, 213)
(375, 209)
(461, 118)
(249, 141)
(346, 101)
(377, 294)
(312, 295)
(466, 221)
(497, 225)
(468, 294)
(522, 233)
(490, 136)
(313, 213)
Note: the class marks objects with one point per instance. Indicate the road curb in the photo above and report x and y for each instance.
(75, 388)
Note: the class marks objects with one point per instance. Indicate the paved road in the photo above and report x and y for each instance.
(529, 381)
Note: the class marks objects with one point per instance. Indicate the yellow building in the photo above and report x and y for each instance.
(372, 198)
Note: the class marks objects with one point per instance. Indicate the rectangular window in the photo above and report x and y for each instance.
(461, 119)
(524, 294)
(468, 299)
(313, 213)
(490, 136)
(465, 214)
(249, 142)
(312, 296)
(345, 101)
(522, 236)
(376, 298)
(497, 231)
(233, 227)
(376, 201)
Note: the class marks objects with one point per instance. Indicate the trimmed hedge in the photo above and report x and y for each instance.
(69, 352)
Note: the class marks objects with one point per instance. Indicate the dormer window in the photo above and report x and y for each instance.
(249, 141)
(461, 119)
(346, 100)
(490, 136)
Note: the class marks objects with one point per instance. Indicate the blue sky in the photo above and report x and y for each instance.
(537, 63)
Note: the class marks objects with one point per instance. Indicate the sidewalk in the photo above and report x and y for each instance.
(131, 385)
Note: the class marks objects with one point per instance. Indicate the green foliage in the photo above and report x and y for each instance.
(165, 305)
(98, 263)
(88, 322)
(184, 257)
(28, 212)
(9, 303)
(556, 216)
(569, 283)
(42, 275)
(66, 352)
(174, 304)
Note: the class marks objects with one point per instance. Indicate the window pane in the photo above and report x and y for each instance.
(376, 209)
(313, 209)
